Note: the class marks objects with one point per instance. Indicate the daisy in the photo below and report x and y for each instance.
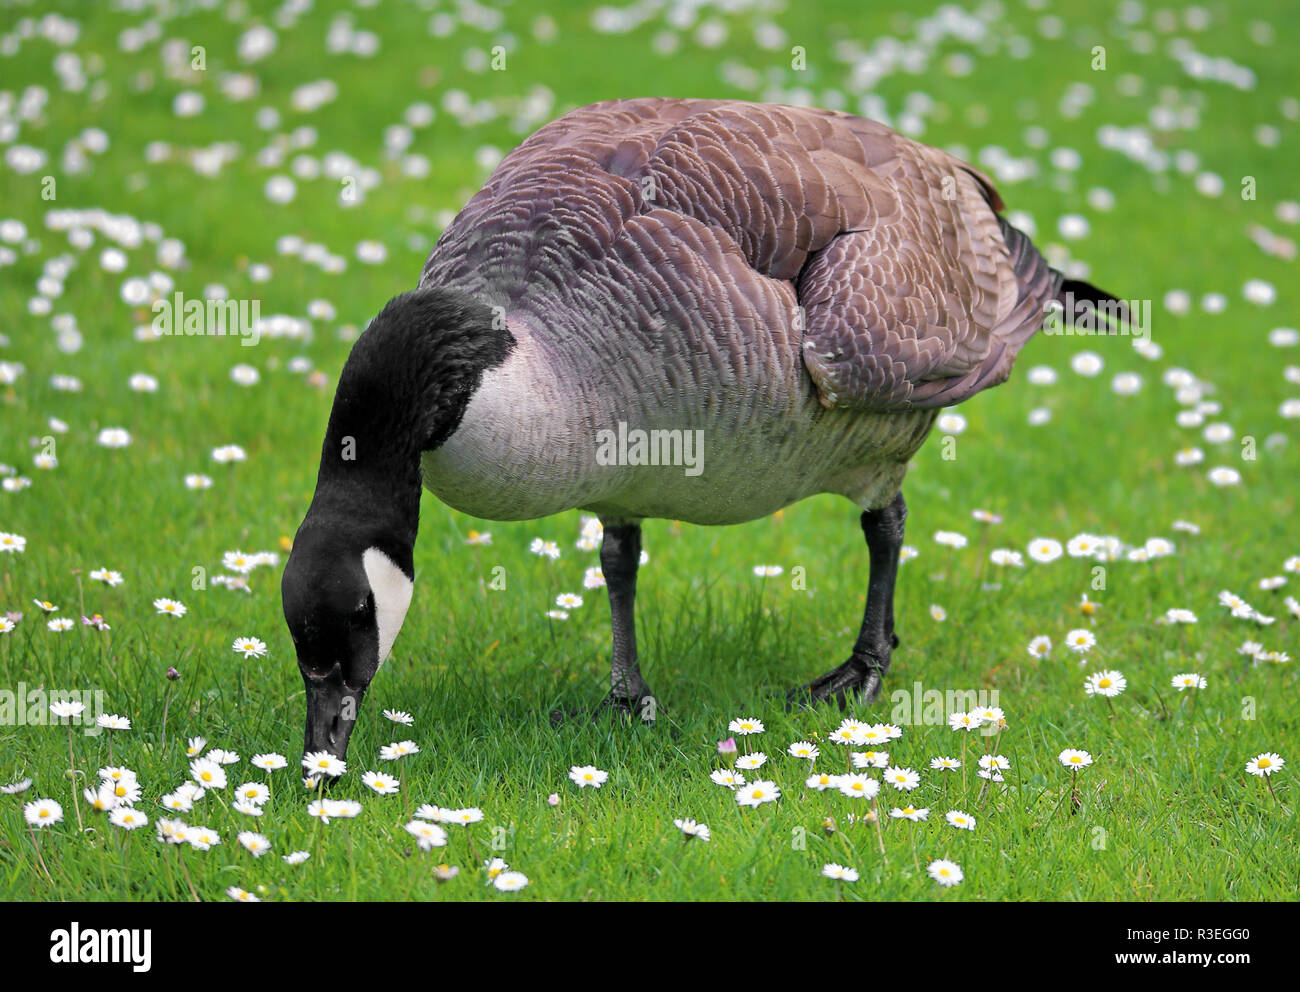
(964, 721)
(726, 777)
(745, 726)
(902, 779)
(127, 818)
(12, 543)
(66, 709)
(42, 813)
(237, 561)
(587, 775)
(1044, 549)
(991, 716)
(255, 844)
(494, 868)
(195, 747)
(445, 872)
(803, 749)
(547, 549)
(59, 624)
(510, 881)
(108, 576)
(568, 601)
(869, 759)
(100, 799)
(170, 607)
(177, 802)
(757, 793)
(692, 829)
(323, 763)
(171, 831)
(994, 763)
(249, 647)
(400, 716)
(1107, 683)
(1188, 680)
(858, 786)
(269, 762)
(111, 721)
(436, 813)
(822, 782)
(208, 774)
(768, 571)
(752, 761)
(1080, 641)
(464, 817)
(839, 873)
(1179, 616)
(850, 732)
(296, 857)
(960, 820)
(1074, 759)
(125, 792)
(475, 538)
(909, 813)
(241, 895)
(253, 792)
(45, 605)
(946, 873)
(202, 838)
(399, 749)
(342, 809)
(1265, 764)
(384, 785)
(945, 764)
(1040, 647)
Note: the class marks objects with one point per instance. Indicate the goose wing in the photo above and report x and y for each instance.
(909, 290)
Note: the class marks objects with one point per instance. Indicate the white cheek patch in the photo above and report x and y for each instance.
(392, 591)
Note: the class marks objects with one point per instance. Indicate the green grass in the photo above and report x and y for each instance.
(1166, 812)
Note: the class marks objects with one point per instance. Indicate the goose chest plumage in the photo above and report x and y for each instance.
(700, 310)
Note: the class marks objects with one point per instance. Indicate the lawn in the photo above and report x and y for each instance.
(147, 154)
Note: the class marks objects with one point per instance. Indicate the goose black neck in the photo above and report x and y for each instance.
(402, 392)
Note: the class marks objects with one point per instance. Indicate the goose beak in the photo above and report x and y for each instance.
(332, 707)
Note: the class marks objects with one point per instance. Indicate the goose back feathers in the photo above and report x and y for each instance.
(881, 258)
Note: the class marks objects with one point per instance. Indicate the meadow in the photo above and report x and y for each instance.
(1129, 498)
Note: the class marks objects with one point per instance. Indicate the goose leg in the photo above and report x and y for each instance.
(863, 674)
(620, 556)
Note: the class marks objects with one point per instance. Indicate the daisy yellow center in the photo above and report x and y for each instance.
(1075, 758)
(1104, 683)
(944, 872)
(322, 764)
(120, 790)
(1265, 763)
(757, 794)
(588, 776)
(44, 813)
(206, 776)
(857, 787)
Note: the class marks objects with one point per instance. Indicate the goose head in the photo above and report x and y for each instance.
(349, 579)
(345, 598)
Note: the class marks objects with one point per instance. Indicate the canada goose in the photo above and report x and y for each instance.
(805, 287)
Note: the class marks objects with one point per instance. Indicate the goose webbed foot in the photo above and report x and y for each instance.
(859, 679)
(624, 708)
